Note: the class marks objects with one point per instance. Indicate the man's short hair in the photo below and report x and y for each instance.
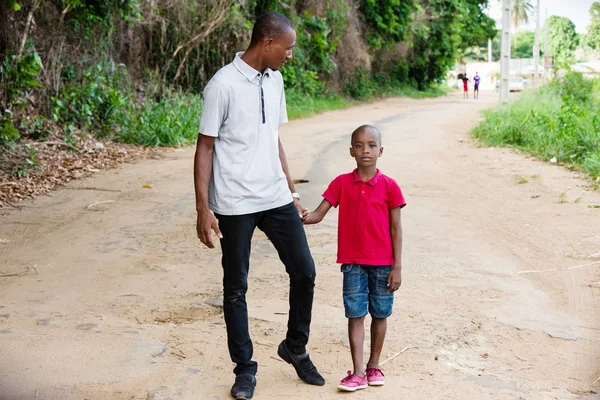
(271, 24)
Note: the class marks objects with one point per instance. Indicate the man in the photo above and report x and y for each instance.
(241, 174)
(476, 80)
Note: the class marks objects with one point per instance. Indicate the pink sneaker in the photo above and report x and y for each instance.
(352, 383)
(375, 377)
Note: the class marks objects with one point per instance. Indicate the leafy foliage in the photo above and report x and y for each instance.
(387, 20)
(562, 39)
(521, 10)
(593, 36)
(133, 70)
(560, 120)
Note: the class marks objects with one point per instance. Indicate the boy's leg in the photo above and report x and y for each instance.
(355, 290)
(378, 331)
(237, 234)
(356, 301)
(356, 334)
(380, 307)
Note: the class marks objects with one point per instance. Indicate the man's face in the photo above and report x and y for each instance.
(279, 50)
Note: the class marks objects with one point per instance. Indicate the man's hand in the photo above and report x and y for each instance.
(207, 222)
(394, 279)
(299, 208)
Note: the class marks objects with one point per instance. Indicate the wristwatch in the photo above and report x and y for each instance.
(296, 196)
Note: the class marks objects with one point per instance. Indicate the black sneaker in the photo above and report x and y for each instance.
(243, 388)
(304, 367)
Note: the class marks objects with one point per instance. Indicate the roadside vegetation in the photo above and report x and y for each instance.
(84, 82)
(560, 123)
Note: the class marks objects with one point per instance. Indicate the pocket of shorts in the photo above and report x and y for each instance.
(346, 268)
(379, 280)
(352, 282)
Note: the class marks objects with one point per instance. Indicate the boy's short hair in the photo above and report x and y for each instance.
(366, 128)
(271, 24)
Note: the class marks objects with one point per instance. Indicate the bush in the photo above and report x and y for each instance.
(360, 86)
(172, 121)
(94, 99)
(560, 120)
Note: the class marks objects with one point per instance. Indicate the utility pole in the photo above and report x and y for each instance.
(489, 50)
(546, 49)
(505, 52)
(536, 46)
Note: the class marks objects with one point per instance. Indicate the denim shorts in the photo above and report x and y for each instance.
(366, 290)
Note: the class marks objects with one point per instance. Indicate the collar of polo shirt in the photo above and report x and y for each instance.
(373, 181)
(246, 70)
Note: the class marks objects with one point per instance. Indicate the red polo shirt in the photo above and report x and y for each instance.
(364, 235)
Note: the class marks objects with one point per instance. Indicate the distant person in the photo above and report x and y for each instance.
(241, 175)
(465, 86)
(476, 80)
(369, 249)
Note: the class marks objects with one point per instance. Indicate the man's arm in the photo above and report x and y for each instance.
(395, 276)
(202, 171)
(290, 181)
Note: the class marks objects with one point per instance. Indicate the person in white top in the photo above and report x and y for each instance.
(241, 175)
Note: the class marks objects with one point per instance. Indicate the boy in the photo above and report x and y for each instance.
(476, 80)
(369, 249)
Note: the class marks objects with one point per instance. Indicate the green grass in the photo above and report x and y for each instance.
(301, 105)
(174, 120)
(414, 93)
(561, 120)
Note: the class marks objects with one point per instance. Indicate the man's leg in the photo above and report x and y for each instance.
(237, 234)
(284, 229)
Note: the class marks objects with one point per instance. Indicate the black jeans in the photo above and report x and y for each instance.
(284, 229)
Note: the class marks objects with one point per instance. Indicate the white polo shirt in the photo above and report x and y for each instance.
(247, 176)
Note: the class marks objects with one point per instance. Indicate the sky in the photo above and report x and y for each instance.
(577, 11)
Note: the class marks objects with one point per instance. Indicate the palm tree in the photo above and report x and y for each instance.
(521, 9)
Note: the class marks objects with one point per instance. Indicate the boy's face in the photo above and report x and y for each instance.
(366, 148)
(279, 50)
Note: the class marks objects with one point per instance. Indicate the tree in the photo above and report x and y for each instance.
(523, 44)
(593, 36)
(562, 39)
(520, 13)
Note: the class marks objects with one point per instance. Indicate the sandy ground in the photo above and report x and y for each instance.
(113, 297)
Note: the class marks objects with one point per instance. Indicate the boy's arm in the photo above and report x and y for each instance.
(316, 216)
(395, 276)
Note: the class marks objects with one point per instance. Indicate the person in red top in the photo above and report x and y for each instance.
(369, 249)
(465, 86)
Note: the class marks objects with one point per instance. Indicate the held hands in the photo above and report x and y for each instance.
(394, 279)
(207, 222)
(307, 217)
(298, 207)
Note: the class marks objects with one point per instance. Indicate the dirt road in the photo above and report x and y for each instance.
(106, 293)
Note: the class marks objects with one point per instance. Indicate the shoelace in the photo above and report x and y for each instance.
(348, 377)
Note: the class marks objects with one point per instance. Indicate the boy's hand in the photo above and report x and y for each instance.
(394, 279)
(305, 213)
